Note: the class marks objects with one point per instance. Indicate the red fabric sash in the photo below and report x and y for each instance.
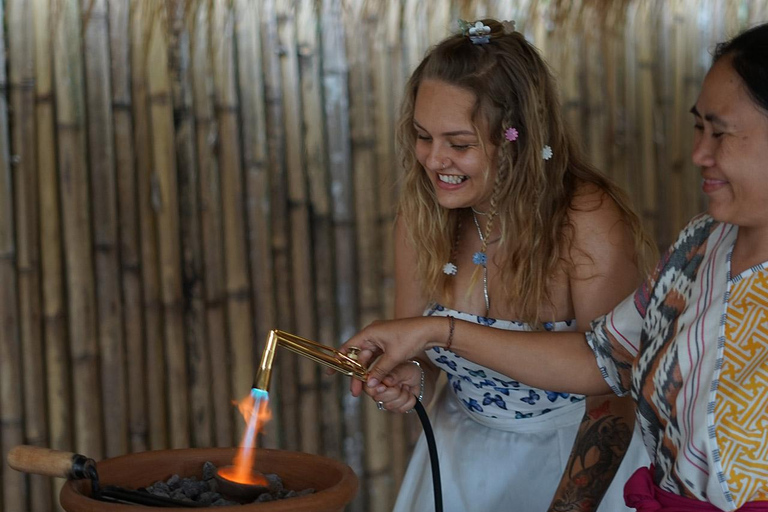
(643, 495)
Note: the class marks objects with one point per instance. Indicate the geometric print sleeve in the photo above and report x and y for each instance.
(614, 339)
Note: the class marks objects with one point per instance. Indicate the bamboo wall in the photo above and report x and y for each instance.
(177, 177)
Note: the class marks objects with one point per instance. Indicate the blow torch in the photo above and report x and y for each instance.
(342, 363)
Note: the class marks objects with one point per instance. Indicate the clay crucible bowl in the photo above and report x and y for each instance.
(334, 482)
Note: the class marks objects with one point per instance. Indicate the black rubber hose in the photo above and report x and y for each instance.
(432, 448)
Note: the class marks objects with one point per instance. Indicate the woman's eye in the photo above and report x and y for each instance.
(698, 127)
(422, 137)
(717, 135)
(461, 147)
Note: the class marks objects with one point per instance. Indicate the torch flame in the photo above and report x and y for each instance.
(255, 411)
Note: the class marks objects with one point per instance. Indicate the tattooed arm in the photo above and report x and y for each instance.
(598, 450)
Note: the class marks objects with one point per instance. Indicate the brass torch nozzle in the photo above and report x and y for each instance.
(322, 354)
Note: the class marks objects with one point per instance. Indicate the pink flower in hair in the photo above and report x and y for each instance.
(511, 134)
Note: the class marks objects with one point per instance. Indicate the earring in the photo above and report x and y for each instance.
(443, 165)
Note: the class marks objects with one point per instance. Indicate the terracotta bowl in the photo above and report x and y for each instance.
(334, 482)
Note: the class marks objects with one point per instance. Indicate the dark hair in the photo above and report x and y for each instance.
(749, 57)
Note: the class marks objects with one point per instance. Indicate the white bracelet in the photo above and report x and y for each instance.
(421, 386)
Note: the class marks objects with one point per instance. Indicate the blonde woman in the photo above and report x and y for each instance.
(503, 225)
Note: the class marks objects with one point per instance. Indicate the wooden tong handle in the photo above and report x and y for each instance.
(48, 462)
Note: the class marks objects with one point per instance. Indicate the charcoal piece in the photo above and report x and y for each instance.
(174, 482)
(209, 469)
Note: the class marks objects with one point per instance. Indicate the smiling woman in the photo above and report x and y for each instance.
(502, 224)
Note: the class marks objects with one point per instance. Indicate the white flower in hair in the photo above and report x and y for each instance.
(509, 26)
(450, 269)
(546, 152)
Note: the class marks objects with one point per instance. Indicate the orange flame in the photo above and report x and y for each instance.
(256, 412)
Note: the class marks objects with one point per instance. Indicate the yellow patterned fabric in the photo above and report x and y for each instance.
(741, 411)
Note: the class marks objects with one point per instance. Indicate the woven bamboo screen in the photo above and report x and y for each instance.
(178, 177)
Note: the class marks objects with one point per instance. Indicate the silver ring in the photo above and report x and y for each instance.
(380, 406)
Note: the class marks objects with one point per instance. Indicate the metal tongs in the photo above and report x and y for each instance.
(73, 466)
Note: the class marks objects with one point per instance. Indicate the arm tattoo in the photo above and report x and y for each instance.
(597, 454)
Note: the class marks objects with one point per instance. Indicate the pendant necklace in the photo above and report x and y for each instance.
(480, 258)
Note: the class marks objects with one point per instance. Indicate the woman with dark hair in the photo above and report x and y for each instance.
(503, 224)
(690, 345)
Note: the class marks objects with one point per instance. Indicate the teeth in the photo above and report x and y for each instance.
(451, 179)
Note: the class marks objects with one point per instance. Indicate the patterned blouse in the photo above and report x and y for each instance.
(691, 346)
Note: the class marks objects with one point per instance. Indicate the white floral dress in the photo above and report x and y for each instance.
(502, 445)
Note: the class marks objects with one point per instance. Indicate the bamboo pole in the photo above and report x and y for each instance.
(250, 63)
(154, 385)
(308, 38)
(166, 207)
(191, 249)
(300, 241)
(127, 202)
(284, 403)
(101, 154)
(57, 374)
(335, 89)
(13, 491)
(368, 252)
(21, 71)
(76, 218)
(231, 174)
(211, 228)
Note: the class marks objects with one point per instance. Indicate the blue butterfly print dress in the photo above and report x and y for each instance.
(502, 445)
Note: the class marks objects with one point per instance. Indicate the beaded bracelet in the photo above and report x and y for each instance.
(451, 327)
(421, 386)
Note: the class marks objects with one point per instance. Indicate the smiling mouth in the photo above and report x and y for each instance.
(451, 179)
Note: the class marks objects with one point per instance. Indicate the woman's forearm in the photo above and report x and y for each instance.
(556, 361)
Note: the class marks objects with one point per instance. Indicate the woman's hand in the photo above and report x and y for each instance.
(391, 343)
(398, 390)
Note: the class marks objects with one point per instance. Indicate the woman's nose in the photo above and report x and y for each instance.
(702, 154)
(436, 159)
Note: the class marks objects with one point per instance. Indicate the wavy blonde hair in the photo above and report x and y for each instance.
(513, 88)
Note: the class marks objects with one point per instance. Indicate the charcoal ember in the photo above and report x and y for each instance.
(206, 492)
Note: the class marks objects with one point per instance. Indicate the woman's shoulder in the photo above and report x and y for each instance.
(595, 217)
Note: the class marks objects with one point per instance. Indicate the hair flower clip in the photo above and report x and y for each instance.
(546, 152)
(478, 33)
(511, 134)
(509, 26)
(450, 269)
